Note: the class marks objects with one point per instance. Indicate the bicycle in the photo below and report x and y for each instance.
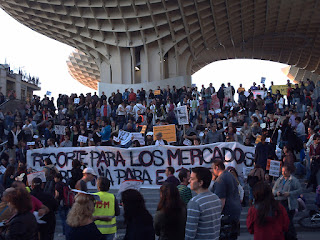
(311, 220)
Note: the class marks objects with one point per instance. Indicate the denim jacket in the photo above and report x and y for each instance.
(293, 186)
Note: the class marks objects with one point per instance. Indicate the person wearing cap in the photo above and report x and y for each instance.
(88, 175)
(159, 141)
(149, 139)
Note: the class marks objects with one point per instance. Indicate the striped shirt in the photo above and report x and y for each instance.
(185, 193)
(203, 217)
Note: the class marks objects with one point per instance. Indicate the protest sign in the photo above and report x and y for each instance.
(274, 167)
(143, 163)
(139, 137)
(60, 130)
(187, 142)
(157, 92)
(214, 101)
(263, 80)
(143, 129)
(76, 100)
(282, 88)
(182, 115)
(168, 132)
(124, 137)
(39, 174)
(82, 139)
(258, 92)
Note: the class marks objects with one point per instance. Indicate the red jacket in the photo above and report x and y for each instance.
(274, 229)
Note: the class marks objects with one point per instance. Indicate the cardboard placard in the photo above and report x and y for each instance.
(82, 139)
(157, 92)
(76, 100)
(274, 167)
(39, 174)
(143, 129)
(60, 130)
(168, 132)
(182, 115)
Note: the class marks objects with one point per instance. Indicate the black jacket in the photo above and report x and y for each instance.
(11, 138)
(50, 217)
(22, 226)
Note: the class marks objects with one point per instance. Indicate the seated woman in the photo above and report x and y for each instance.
(80, 224)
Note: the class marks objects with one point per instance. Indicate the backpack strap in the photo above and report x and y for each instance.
(3, 210)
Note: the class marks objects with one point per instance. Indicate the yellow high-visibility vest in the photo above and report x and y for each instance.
(105, 207)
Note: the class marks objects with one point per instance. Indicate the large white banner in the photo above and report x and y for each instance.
(144, 163)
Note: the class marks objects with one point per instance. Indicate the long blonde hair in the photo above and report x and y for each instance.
(81, 210)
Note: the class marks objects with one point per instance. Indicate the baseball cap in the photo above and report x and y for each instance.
(150, 134)
(89, 170)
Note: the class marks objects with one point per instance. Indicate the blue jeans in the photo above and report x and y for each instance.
(63, 212)
(109, 236)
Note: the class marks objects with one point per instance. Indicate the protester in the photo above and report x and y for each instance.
(46, 230)
(88, 175)
(267, 219)
(139, 222)
(286, 189)
(106, 209)
(23, 224)
(170, 218)
(185, 192)
(80, 224)
(226, 188)
(204, 210)
(170, 177)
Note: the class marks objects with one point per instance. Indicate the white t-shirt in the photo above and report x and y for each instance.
(159, 143)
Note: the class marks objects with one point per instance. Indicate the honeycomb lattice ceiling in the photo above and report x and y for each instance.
(285, 31)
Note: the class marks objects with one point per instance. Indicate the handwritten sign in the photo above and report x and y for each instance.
(168, 132)
(182, 115)
(274, 167)
(157, 92)
(82, 139)
(40, 174)
(76, 100)
(60, 130)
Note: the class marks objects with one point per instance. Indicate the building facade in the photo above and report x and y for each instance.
(17, 85)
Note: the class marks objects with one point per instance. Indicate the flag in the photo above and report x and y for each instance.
(48, 93)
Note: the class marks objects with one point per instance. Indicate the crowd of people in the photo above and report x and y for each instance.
(267, 121)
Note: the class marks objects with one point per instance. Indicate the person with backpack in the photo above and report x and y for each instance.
(50, 171)
(255, 175)
(46, 230)
(64, 197)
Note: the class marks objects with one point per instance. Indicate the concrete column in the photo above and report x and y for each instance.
(115, 62)
(172, 63)
(105, 72)
(154, 65)
(144, 59)
(126, 66)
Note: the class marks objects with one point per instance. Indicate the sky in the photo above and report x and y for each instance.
(46, 58)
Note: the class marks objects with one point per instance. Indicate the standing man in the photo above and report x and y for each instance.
(226, 188)
(185, 192)
(204, 210)
(170, 177)
(286, 190)
(106, 210)
(88, 175)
